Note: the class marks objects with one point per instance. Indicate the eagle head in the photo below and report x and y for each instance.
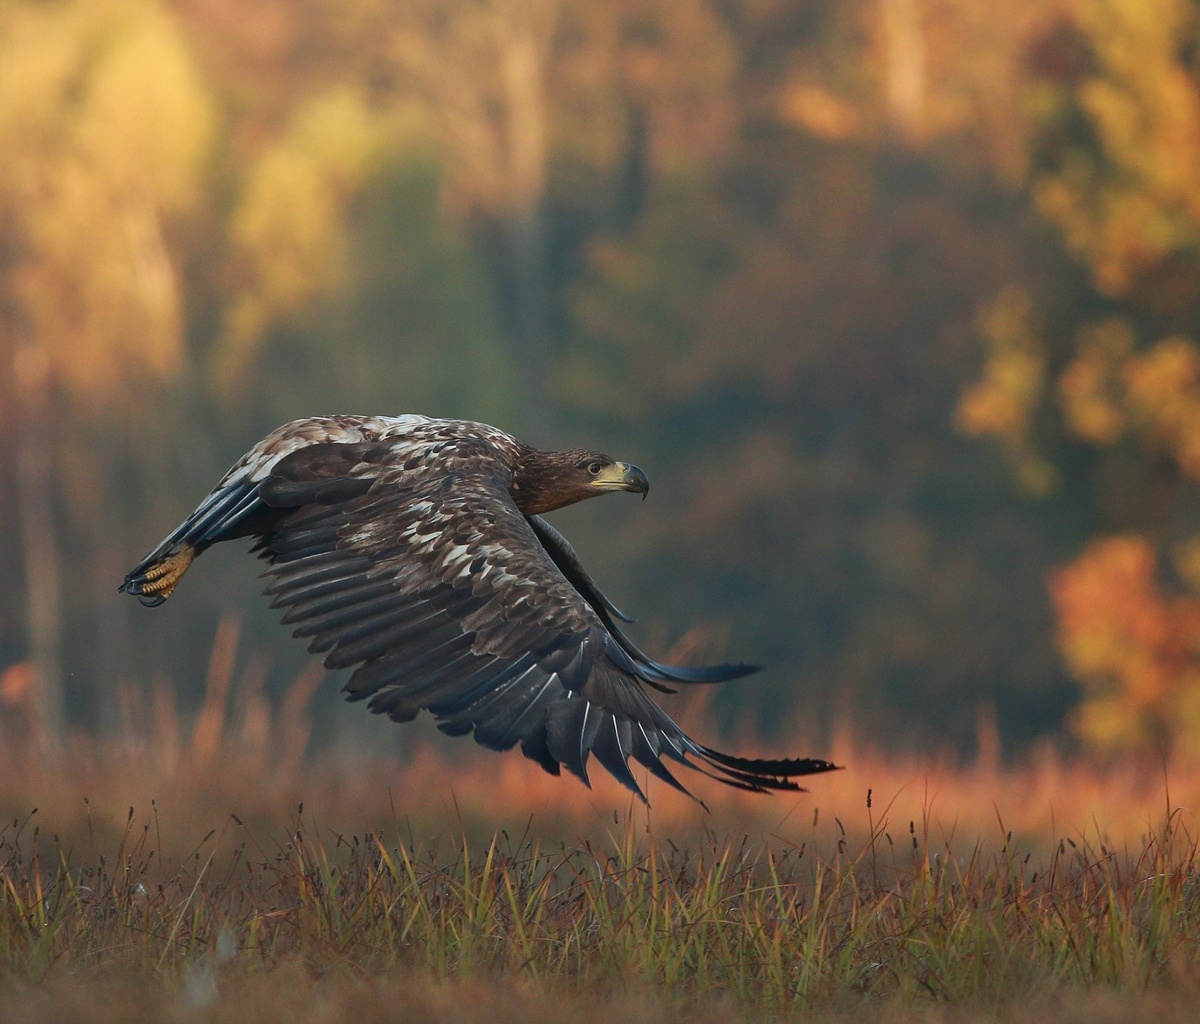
(544, 481)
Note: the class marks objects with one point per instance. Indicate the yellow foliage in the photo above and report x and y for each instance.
(1140, 202)
(105, 128)
(1001, 402)
(288, 232)
(1164, 391)
(1089, 387)
(1108, 390)
(1014, 382)
(148, 122)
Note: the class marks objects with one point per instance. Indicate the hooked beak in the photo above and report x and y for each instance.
(621, 476)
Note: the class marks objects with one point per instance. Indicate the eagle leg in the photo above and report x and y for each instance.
(156, 583)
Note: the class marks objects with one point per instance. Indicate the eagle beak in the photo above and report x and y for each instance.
(621, 476)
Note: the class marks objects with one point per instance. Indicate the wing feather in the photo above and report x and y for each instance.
(323, 606)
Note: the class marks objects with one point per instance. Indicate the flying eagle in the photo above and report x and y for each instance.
(414, 551)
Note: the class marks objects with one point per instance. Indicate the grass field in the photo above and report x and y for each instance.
(202, 872)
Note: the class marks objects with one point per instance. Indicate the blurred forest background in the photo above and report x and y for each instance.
(897, 302)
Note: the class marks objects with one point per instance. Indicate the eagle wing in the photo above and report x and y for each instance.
(412, 566)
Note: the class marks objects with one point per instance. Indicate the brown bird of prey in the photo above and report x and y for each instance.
(413, 550)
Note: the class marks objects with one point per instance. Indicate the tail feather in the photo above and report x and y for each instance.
(758, 775)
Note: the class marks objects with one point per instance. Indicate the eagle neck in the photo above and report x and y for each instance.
(537, 484)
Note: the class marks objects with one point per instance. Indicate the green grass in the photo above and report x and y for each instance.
(730, 926)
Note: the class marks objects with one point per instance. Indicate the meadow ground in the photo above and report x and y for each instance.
(207, 871)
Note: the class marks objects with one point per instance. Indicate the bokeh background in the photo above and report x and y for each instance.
(897, 302)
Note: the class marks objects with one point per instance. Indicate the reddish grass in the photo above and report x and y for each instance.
(1001, 887)
(239, 754)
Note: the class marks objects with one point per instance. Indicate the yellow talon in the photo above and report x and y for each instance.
(162, 578)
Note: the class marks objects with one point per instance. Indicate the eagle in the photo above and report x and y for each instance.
(414, 552)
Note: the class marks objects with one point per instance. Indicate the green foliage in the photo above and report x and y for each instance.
(413, 324)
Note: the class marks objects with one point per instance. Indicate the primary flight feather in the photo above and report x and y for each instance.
(413, 551)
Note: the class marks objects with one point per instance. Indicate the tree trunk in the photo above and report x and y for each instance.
(905, 82)
(522, 40)
(35, 509)
(528, 272)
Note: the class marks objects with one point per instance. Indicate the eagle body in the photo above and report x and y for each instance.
(413, 551)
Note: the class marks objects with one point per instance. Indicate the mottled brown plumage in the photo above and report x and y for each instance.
(412, 552)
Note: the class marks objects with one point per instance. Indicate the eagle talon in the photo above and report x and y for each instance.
(158, 582)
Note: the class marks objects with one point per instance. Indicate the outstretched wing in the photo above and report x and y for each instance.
(412, 565)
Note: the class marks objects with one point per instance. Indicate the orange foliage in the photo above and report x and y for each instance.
(1133, 648)
(16, 683)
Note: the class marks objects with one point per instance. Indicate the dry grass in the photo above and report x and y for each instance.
(732, 926)
(174, 874)
(241, 754)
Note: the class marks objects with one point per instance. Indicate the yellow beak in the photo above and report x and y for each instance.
(621, 476)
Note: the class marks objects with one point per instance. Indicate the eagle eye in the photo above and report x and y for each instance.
(594, 468)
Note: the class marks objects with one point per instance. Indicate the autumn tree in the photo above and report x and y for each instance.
(106, 127)
(894, 298)
(1105, 401)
